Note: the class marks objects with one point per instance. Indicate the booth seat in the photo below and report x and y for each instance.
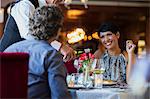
(13, 75)
(70, 67)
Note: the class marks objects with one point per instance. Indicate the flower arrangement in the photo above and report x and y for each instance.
(84, 66)
(85, 60)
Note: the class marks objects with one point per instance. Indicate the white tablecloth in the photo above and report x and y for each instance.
(105, 93)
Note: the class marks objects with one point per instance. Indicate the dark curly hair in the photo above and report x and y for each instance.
(45, 22)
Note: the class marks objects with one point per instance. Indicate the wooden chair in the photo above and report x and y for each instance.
(13, 75)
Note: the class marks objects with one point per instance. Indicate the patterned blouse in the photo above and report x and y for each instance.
(115, 67)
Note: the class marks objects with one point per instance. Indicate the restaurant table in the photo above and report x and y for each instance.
(104, 93)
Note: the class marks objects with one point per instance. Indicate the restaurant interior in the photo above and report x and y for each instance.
(131, 16)
(82, 19)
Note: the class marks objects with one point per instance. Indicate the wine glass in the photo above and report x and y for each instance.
(76, 65)
(101, 66)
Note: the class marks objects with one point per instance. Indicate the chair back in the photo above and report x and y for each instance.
(13, 75)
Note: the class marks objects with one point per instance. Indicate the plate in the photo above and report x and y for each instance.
(105, 83)
(80, 87)
(109, 82)
(76, 87)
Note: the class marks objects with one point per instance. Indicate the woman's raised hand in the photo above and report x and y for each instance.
(130, 46)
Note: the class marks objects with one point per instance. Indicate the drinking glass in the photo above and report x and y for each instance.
(98, 80)
(101, 66)
(72, 79)
(75, 77)
(76, 65)
(99, 74)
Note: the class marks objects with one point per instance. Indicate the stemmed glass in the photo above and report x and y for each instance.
(76, 65)
(101, 66)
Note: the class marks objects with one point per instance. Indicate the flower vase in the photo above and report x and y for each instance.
(86, 76)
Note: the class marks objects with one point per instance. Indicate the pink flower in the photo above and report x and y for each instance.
(85, 58)
(91, 56)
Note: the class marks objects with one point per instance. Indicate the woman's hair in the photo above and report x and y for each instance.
(108, 26)
(45, 22)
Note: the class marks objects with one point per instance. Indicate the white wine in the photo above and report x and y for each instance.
(102, 70)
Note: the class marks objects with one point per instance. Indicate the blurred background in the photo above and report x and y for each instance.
(82, 19)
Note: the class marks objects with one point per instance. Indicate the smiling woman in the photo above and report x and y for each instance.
(117, 63)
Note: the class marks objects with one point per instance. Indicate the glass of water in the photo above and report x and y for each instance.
(98, 79)
(99, 74)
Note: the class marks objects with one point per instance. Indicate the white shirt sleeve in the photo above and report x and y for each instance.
(21, 12)
(56, 45)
